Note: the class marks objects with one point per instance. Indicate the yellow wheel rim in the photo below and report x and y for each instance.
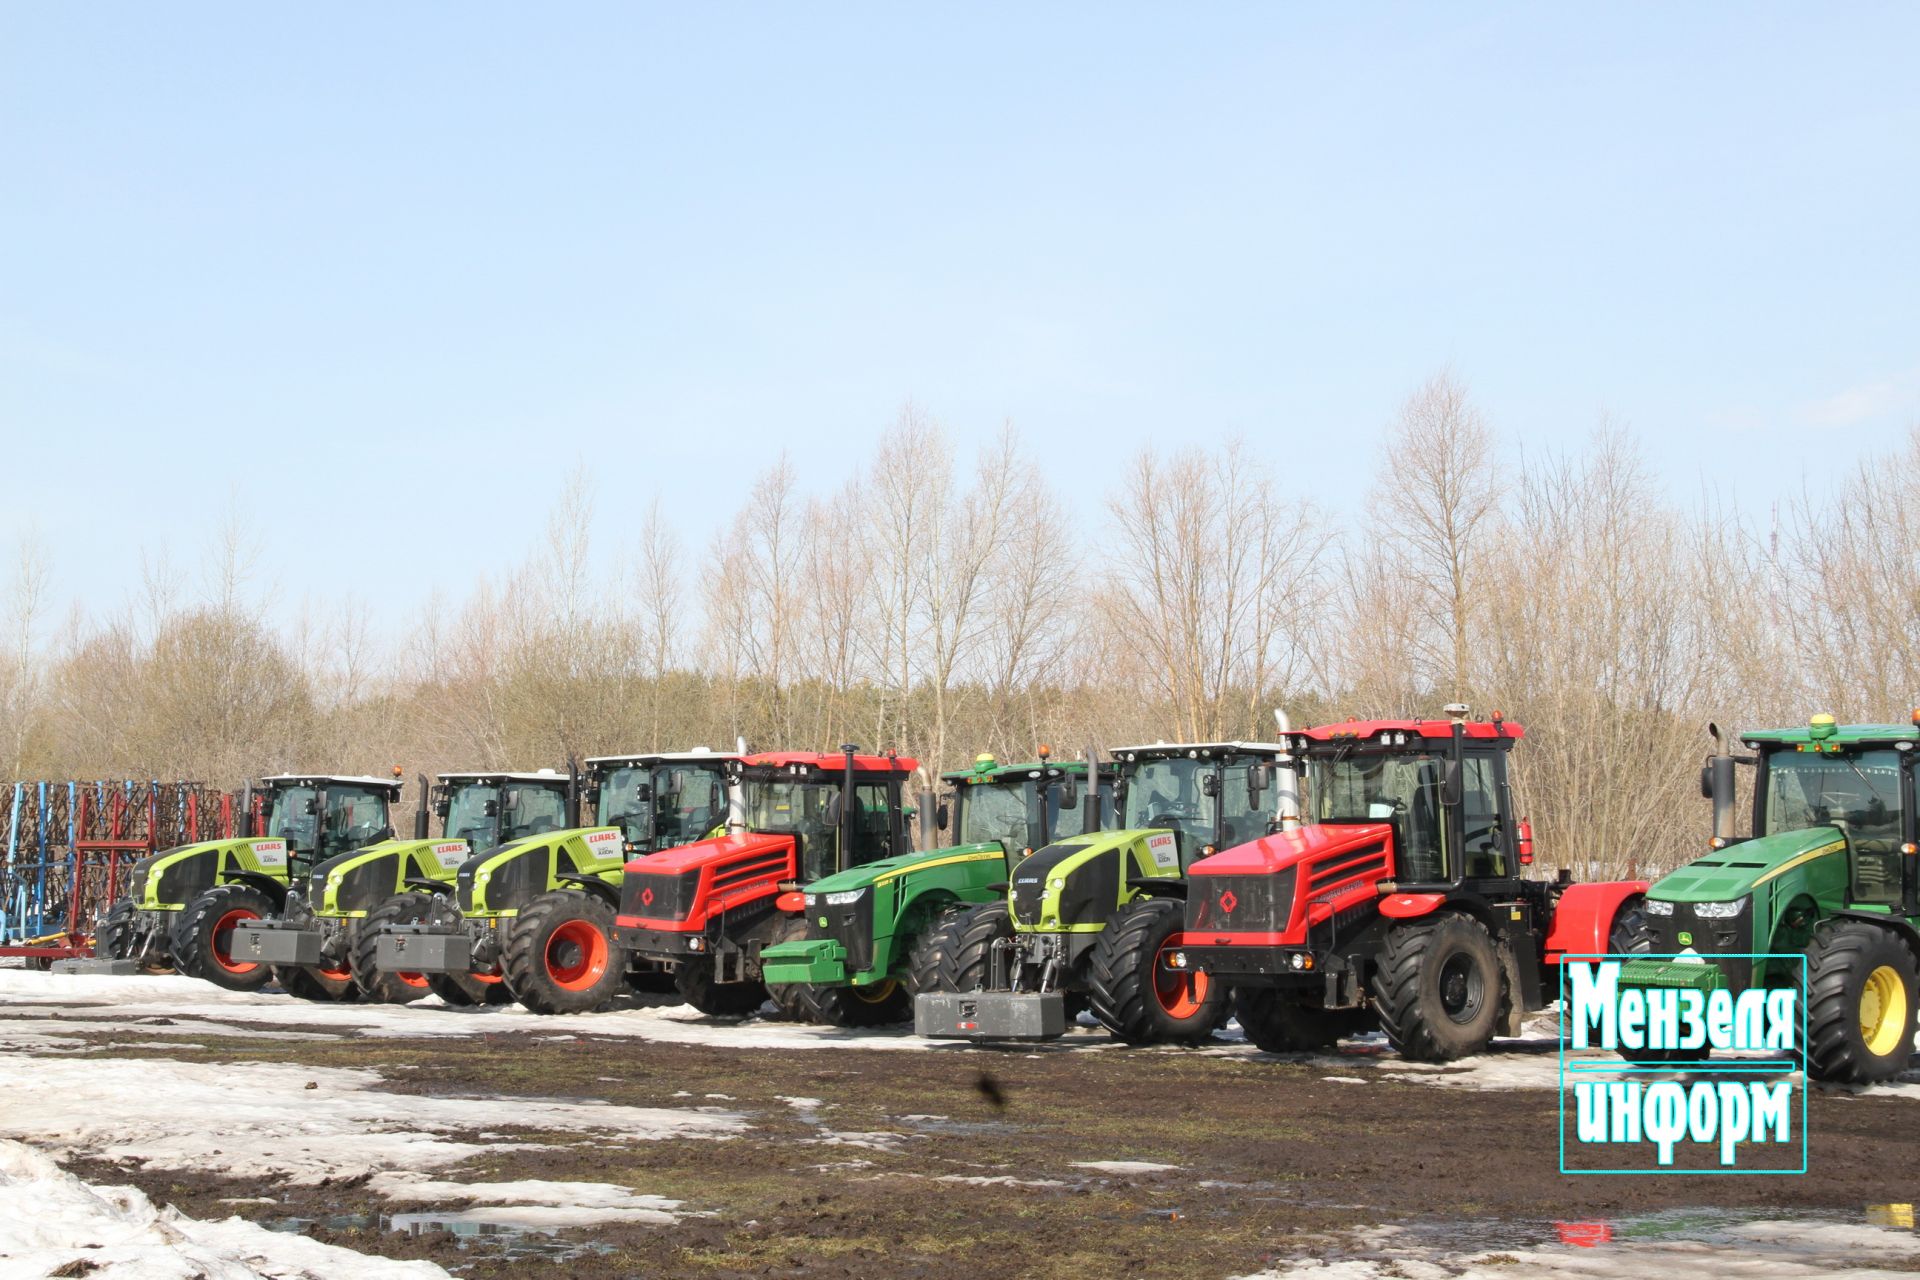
(1883, 1011)
(876, 993)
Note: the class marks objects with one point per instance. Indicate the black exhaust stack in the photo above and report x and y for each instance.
(846, 808)
(420, 827)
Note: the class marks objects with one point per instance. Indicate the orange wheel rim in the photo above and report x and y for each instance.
(1181, 992)
(223, 940)
(418, 980)
(487, 979)
(576, 955)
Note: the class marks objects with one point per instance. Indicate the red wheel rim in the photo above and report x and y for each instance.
(342, 974)
(223, 940)
(413, 980)
(486, 979)
(1181, 992)
(576, 955)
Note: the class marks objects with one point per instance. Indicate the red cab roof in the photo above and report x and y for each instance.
(1364, 729)
(833, 761)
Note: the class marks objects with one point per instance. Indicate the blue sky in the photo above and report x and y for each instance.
(396, 270)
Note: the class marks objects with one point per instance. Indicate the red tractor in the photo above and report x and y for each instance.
(707, 909)
(1403, 900)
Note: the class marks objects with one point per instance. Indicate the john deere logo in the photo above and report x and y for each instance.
(646, 897)
(1686, 939)
(1228, 902)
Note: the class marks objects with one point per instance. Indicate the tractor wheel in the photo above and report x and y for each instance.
(694, 980)
(878, 1004)
(958, 955)
(1860, 1003)
(1280, 1021)
(376, 985)
(1633, 936)
(1439, 988)
(650, 982)
(322, 986)
(467, 990)
(1135, 996)
(115, 940)
(561, 957)
(797, 1001)
(203, 940)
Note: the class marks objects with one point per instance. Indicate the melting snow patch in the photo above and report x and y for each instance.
(51, 1221)
(533, 1202)
(303, 1124)
(1124, 1166)
(1343, 1079)
(800, 1104)
(1002, 1180)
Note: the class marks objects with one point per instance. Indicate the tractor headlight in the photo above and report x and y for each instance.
(1655, 907)
(1178, 960)
(1057, 883)
(845, 898)
(1298, 961)
(1718, 910)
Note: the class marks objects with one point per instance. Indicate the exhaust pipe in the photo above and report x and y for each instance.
(1717, 785)
(1090, 817)
(420, 811)
(1286, 778)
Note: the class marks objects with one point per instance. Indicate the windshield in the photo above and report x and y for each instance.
(1859, 791)
(1167, 793)
(1401, 790)
(472, 815)
(354, 816)
(689, 801)
(998, 811)
(621, 806)
(532, 809)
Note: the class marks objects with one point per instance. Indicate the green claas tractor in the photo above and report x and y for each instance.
(1829, 874)
(184, 904)
(1088, 917)
(533, 917)
(866, 926)
(709, 910)
(1403, 900)
(321, 942)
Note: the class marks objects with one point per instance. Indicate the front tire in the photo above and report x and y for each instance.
(695, 980)
(322, 986)
(203, 941)
(561, 957)
(1633, 936)
(1134, 995)
(1860, 1003)
(376, 984)
(1439, 988)
(958, 954)
(1278, 1020)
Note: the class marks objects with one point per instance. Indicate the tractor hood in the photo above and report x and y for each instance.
(1288, 848)
(1284, 884)
(169, 880)
(506, 877)
(353, 883)
(891, 868)
(702, 853)
(1733, 872)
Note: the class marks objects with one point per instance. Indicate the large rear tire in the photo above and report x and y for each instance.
(1440, 988)
(376, 984)
(561, 956)
(203, 940)
(1861, 983)
(958, 954)
(694, 980)
(1134, 995)
(1279, 1020)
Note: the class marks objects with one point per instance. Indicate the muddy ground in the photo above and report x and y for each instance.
(1273, 1161)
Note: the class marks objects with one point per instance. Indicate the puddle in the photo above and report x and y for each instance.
(507, 1240)
(1702, 1225)
(333, 1222)
(940, 1124)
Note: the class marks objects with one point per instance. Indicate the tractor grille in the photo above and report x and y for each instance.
(513, 883)
(186, 878)
(1091, 892)
(851, 926)
(366, 886)
(1684, 930)
(1250, 904)
(137, 882)
(659, 897)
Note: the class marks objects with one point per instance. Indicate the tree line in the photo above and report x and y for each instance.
(944, 603)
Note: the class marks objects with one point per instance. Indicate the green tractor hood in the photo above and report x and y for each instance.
(502, 880)
(348, 885)
(1735, 871)
(172, 878)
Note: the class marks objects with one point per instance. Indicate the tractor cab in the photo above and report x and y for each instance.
(662, 801)
(320, 816)
(708, 907)
(1207, 794)
(488, 810)
(1022, 807)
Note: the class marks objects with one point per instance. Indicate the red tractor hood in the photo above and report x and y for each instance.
(706, 853)
(1289, 848)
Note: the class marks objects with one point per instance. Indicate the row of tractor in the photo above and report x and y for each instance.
(1343, 878)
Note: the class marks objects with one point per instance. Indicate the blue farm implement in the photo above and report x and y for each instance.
(69, 847)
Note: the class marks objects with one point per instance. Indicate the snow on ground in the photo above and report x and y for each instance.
(1124, 1166)
(53, 1222)
(276, 1121)
(530, 1202)
(1761, 1250)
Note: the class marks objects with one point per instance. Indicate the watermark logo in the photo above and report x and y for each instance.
(1630, 1025)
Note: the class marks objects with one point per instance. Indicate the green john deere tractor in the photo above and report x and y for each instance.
(183, 904)
(322, 941)
(866, 926)
(1829, 873)
(533, 917)
(1088, 918)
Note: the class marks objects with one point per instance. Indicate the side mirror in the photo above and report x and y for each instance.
(1069, 792)
(1259, 778)
(835, 810)
(643, 794)
(1706, 782)
(942, 816)
(493, 809)
(1453, 785)
(1210, 785)
(442, 805)
(311, 809)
